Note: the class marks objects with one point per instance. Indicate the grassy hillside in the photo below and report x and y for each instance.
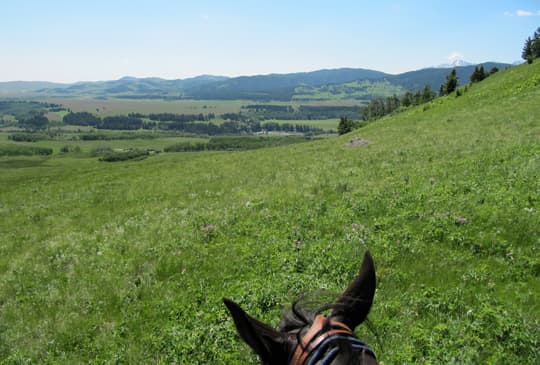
(128, 262)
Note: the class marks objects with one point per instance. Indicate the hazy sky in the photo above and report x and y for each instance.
(74, 40)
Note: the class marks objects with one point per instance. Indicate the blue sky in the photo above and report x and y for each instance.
(74, 40)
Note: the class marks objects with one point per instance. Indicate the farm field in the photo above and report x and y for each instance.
(88, 146)
(125, 106)
(128, 262)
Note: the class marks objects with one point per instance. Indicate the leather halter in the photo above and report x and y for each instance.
(313, 338)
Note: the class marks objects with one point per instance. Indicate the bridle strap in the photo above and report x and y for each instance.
(311, 341)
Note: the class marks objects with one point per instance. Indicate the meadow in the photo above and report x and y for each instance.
(128, 262)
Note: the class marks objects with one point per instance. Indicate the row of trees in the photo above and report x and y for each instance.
(531, 49)
(380, 107)
(303, 112)
(235, 123)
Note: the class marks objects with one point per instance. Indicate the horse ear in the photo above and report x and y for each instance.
(354, 304)
(265, 341)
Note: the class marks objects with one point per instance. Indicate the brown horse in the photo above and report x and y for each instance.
(305, 338)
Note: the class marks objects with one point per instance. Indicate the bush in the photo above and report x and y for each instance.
(28, 137)
(15, 150)
(125, 155)
(68, 148)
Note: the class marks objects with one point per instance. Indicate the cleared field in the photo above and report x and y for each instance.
(122, 106)
(125, 106)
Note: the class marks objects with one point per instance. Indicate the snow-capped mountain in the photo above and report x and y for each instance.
(455, 63)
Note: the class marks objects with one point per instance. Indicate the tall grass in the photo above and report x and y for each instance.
(128, 262)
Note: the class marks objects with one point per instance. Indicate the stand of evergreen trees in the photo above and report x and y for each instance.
(380, 107)
(531, 49)
(235, 123)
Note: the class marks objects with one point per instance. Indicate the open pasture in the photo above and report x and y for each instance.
(129, 262)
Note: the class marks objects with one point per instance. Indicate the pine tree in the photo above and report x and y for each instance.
(478, 74)
(527, 53)
(535, 44)
(428, 94)
(451, 83)
(345, 125)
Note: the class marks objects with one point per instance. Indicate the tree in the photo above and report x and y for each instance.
(451, 83)
(36, 122)
(345, 125)
(428, 94)
(407, 99)
(478, 74)
(535, 46)
(527, 53)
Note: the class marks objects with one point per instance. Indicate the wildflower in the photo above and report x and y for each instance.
(183, 270)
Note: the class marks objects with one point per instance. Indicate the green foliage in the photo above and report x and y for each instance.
(345, 125)
(451, 83)
(117, 156)
(478, 74)
(82, 118)
(531, 48)
(229, 143)
(378, 108)
(36, 122)
(18, 150)
(28, 137)
(70, 149)
(129, 262)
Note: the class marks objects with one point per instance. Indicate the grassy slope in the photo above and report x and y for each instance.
(105, 262)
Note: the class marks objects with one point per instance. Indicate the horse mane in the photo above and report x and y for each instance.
(302, 313)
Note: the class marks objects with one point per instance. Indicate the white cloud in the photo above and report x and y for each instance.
(524, 13)
(520, 12)
(455, 56)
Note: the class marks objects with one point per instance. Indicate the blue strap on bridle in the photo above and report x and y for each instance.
(324, 356)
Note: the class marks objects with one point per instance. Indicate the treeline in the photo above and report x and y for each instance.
(18, 150)
(235, 123)
(531, 49)
(229, 143)
(303, 112)
(237, 127)
(170, 117)
(116, 122)
(22, 110)
(380, 107)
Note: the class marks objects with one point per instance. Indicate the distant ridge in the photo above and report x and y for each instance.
(259, 87)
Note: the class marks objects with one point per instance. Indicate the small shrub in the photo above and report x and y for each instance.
(14, 150)
(28, 137)
(68, 149)
(125, 155)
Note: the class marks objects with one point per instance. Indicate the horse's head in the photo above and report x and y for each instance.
(310, 338)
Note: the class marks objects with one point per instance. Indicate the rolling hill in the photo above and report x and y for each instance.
(345, 83)
(129, 262)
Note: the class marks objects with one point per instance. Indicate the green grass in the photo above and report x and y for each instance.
(325, 124)
(89, 146)
(110, 107)
(128, 262)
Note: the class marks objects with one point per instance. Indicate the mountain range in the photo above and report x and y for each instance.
(343, 83)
